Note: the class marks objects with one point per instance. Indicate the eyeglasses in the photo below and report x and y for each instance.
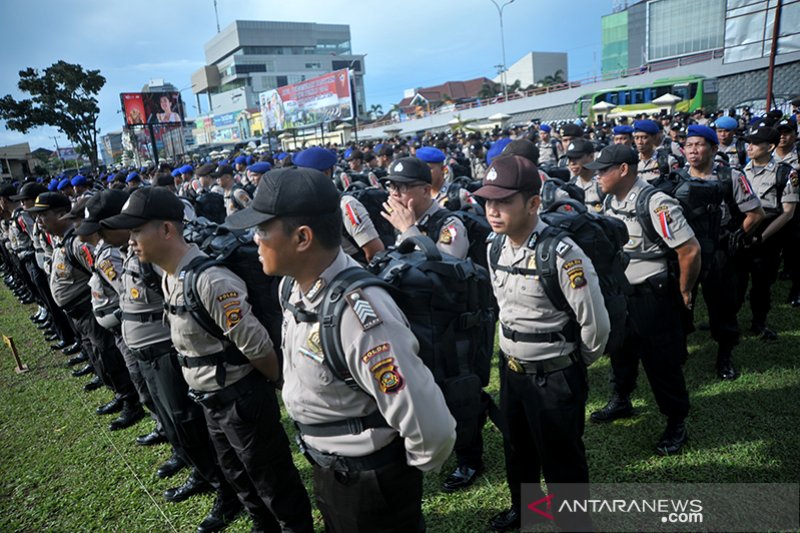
(401, 188)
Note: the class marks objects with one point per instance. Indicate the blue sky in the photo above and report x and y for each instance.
(408, 44)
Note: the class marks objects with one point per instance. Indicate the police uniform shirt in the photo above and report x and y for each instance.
(591, 192)
(39, 242)
(224, 296)
(357, 224)
(764, 180)
(465, 199)
(525, 308)
(382, 357)
(649, 170)
(668, 221)
(743, 193)
(236, 199)
(18, 231)
(106, 284)
(792, 158)
(478, 168)
(730, 151)
(547, 155)
(67, 282)
(138, 298)
(452, 238)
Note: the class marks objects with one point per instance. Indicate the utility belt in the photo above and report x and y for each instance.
(392, 453)
(658, 284)
(569, 333)
(543, 367)
(253, 381)
(350, 426)
(143, 318)
(153, 351)
(77, 310)
(230, 355)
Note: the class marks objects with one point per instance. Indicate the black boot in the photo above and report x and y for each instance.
(619, 406)
(673, 438)
(224, 511)
(171, 466)
(195, 484)
(94, 384)
(85, 371)
(725, 369)
(131, 413)
(72, 349)
(80, 358)
(114, 406)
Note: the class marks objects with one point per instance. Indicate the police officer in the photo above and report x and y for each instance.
(550, 150)
(731, 148)
(569, 132)
(72, 268)
(253, 175)
(364, 480)
(787, 152)
(236, 198)
(543, 387)
(81, 186)
(654, 161)
(580, 152)
(654, 332)
(623, 134)
(232, 377)
(410, 207)
(445, 193)
(776, 185)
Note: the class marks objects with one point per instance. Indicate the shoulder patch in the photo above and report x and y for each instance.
(562, 248)
(227, 296)
(569, 265)
(365, 314)
(388, 376)
(577, 279)
(375, 352)
(447, 234)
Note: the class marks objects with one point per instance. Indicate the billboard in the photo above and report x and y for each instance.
(308, 103)
(152, 108)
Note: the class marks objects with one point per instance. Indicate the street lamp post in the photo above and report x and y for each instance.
(503, 44)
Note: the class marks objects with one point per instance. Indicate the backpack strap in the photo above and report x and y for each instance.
(71, 257)
(546, 249)
(496, 247)
(725, 177)
(782, 179)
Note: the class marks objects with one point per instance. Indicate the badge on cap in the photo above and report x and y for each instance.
(491, 175)
(86, 212)
(398, 167)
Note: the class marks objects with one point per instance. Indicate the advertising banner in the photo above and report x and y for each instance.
(308, 103)
(152, 108)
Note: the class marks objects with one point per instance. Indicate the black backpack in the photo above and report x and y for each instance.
(551, 186)
(373, 198)
(602, 239)
(701, 203)
(782, 179)
(210, 205)
(478, 231)
(448, 303)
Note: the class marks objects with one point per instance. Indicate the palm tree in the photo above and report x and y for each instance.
(555, 79)
(488, 90)
(375, 110)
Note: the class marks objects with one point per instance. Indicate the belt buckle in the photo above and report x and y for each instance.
(515, 366)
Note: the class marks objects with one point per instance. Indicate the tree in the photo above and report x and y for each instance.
(555, 79)
(375, 110)
(63, 96)
(488, 90)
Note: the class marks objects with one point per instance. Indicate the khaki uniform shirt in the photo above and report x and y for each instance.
(668, 221)
(224, 295)
(732, 153)
(382, 358)
(525, 308)
(764, 180)
(548, 156)
(593, 196)
(357, 224)
(68, 283)
(452, 238)
(19, 232)
(792, 158)
(106, 284)
(464, 202)
(743, 193)
(648, 169)
(236, 199)
(136, 298)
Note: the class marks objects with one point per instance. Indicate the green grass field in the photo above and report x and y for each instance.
(62, 470)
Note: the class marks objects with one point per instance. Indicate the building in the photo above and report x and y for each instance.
(424, 99)
(249, 57)
(16, 161)
(658, 34)
(537, 68)
(111, 147)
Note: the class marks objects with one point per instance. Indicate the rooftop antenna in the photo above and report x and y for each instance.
(216, 14)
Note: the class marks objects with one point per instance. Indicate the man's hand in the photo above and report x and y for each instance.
(687, 299)
(400, 216)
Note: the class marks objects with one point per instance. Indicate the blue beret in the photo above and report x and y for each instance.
(647, 126)
(240, 160)
(132, 176)
(348, 152)
(52, 185)
(315, 157)
(497, 149)
(726, 123)
(143, 169)
(175, 173)
(250, 160)
(429, 154)
(110, 178)
(622, 130)
(63, 184)
(187, 169)
(697, 130)
(545, 127)
(260, 167)
(78, 180)
(39, 179)
(378, 147)
(281, 156)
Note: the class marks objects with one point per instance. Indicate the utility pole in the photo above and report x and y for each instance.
(58, 152)
(216, 14)
(503, 44)
(776, 31)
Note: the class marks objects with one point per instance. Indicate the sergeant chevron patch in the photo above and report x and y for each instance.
(363, 309)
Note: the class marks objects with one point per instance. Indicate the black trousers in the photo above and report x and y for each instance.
(655, 337)
(104, 354)
(758, 266)
(469, 447)
(135, 373)
(61, 323)
(254, 455)
(719, 293)
(790, 239)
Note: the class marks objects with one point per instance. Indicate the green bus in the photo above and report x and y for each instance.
(695, 92)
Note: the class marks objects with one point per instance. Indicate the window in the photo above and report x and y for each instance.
(313, 66)
(247, 69)
(281, 81)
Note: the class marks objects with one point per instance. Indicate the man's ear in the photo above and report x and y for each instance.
(303, 237)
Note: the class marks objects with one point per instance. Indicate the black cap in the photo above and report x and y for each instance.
(783, 125)
(288, 192)
(164, 180)
(101, 206)
(7, 190)
(409, 170)
(224, 170)
(763, 134)
(579, 148)
(78, 211)
(616, 154)
(796, 102)
(29, 191)
(50, 200)
(205, 170)
(571, 130)
(524, 148)
(144, 205)
(355, 154)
